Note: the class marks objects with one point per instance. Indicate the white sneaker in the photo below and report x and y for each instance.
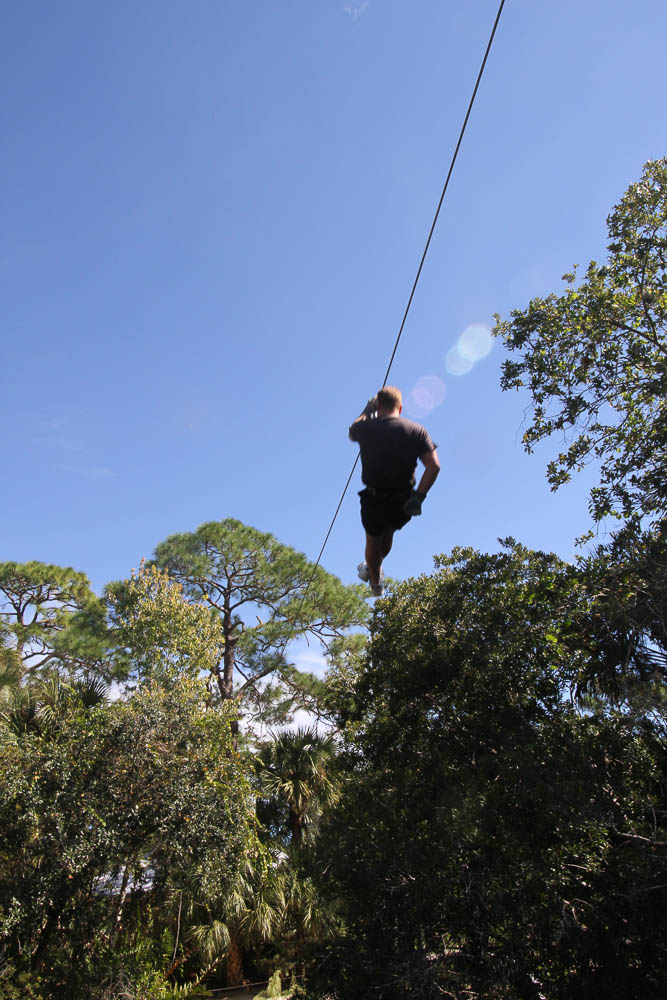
(362, 572)
(377, 589)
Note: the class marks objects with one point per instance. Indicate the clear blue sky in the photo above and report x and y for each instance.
(212, 215)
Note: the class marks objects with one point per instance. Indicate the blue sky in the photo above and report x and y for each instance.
(213, 212)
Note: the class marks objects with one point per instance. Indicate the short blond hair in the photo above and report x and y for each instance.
(390, 398)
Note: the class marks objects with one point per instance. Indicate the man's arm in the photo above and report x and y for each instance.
(369, 409)
(431, 464)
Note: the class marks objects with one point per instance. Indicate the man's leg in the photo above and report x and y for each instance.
(374, 556)
(377, 547)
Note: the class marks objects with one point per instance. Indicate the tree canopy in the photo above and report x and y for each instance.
(143, 795)
(494, 839)
(161, 633)
(594, 360)
(132, 858)
(266, 594)
(52, 619)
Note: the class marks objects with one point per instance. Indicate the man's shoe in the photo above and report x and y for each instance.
(362, 572)
(377, 589)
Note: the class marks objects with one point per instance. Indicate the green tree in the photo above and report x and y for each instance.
(298, 782)
(273, 912)
(249, 912)
(42, 702)
(266, 594)
(163, 635)
(619, 623)
(54, 620)
(10, 664)
(493, 839)
(595, 361)
(103, 808)
(297, 770)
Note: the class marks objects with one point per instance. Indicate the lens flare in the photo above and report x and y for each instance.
(456, 363)
(475, 342)
(428, 393)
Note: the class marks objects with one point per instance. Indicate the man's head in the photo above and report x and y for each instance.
(389, 400)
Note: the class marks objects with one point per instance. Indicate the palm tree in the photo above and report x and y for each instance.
(297, 768)
(41, 703)
(249, 913)
(310, 917)
(270, 899)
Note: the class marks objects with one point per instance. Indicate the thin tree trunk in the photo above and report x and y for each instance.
(117, 915)
(53, 915)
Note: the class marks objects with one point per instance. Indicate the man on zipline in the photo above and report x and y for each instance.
(390, 446)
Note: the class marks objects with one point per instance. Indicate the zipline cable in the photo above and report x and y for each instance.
(412, 294)
(423, 258)
(444, 190)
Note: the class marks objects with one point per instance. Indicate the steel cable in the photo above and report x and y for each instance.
(407, 308)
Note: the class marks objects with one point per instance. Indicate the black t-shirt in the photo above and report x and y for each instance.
(390, 447)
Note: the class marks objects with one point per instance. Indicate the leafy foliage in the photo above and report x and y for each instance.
(492, 825)
(620, 620)
(248, 912)
(266, 594)
(165, 635)
(53, 619)
(103, 810)
(297, 768)
(493, 840)
(10, 663)
(595, 360)
(298, 783)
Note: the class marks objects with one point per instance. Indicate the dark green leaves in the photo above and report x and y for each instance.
(496, 839)
(595, 361)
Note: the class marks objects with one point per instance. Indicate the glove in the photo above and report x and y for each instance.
(413, 505)
(371, 406)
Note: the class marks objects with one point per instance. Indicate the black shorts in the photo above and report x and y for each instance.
(383, 510)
